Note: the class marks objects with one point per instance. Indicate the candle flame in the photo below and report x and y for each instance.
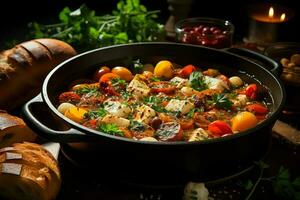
(271, 12)
(282, 17)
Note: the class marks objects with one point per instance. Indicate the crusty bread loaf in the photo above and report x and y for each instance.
(28, 172)
(13, 129)
(24, 67)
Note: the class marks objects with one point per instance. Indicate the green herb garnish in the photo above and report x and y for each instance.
(155, 79)
(196, 81)
(118, 82)
(111, 129)
(221, 101)
(155, 103)
(94, 114)
(91, 91)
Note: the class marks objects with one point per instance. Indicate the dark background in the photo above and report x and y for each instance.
(15, 15)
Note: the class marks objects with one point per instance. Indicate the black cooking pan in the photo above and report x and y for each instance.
(155, 161)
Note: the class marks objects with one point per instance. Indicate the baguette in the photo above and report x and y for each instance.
(13, 129)
(28, 172)
(24, 67)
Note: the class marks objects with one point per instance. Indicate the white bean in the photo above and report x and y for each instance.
(63, 107)
(235, 81)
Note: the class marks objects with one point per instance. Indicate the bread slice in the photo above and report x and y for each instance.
(29, 169)
(13, 129)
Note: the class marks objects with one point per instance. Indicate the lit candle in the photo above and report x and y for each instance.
(265, 22)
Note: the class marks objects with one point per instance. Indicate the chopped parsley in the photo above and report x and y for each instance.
(155, 103)
(111, 129)
(118, 82)
(196, 81)
(155, 79)
(221, 101)
(125, 94)
(94, 114)
(90, 91)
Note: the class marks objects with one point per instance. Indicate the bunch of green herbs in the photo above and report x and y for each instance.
(84, 30)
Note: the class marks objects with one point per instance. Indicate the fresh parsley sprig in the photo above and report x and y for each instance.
(221, 101)
(94, 114)
(196, 81)
(87, 90)
(111, 129)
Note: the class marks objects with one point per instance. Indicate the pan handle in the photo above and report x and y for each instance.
(30, 116)
(269, 63)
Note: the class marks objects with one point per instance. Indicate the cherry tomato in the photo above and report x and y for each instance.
(219, 128)
(106, 78)
(103, 70)
(186, 71)
(250, 91)
(257, 108)
(70, 97)
(164, 69)
(162, 86)
(243, 121)
(123, 72)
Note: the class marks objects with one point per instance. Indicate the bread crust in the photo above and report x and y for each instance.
(24, 67)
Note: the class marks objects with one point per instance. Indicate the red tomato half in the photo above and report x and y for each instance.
(250, 91)
(219, 128)
(257, 108)
(70, 97)
(186, 71)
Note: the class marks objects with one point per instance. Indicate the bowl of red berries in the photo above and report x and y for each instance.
(210, 32)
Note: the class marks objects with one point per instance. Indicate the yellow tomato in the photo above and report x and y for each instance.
(123, 72)
(164, 69)
(76, 114)
(243, 121)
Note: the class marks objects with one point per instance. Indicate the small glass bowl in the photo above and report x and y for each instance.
(210, 32)
(285, 54)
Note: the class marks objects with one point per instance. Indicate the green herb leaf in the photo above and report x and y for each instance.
(64, 15)
(90, 91)
(221, 101)
(111, 129)
(155, 79)
(196, 81)
(95, 113)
